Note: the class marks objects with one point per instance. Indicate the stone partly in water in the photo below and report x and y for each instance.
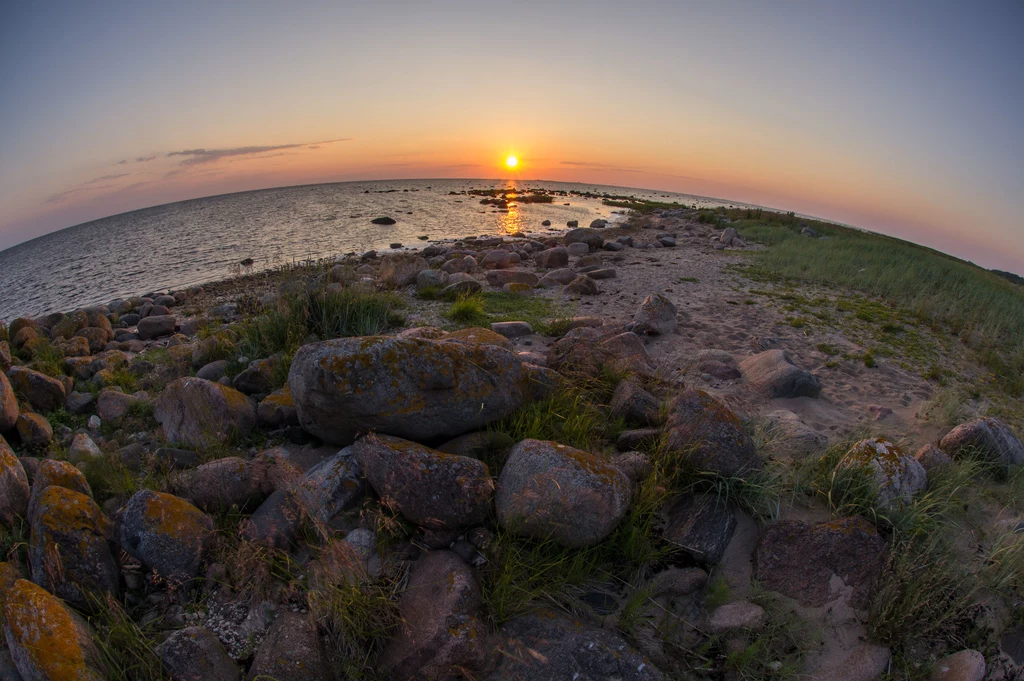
(550, 491)
(203, 414)
(429, 488)
(413, 388)
(799, 560)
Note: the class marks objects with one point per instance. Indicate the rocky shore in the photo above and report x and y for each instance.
(634, 465)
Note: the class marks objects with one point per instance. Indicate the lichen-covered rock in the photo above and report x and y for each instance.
(503, 277)
(429, 488)
(655, 316)
(400, 269)
(52, 472)
(14, 489)
(69, 547)
(277, 410)
(478, 336)
(413, 388)
(633, 404)
(548, 490)
(588, 349)
(34, 431)
(202, 413)
(225, 483)
(932, 458)
(772, 373)
(799, 560)
(196, 654)
(275, 523)
(439, 630)
(42, 392)
(290, 652)
(166, 533)
(547, 646)
(258, 377)
(8, 405)
(710, 436)
(895, 476)
(701, 525)
(69, 325)
(47, 641)
(113, 404)
(988, 437)
(790, 437)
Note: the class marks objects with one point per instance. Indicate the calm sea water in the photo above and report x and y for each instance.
(192, 242)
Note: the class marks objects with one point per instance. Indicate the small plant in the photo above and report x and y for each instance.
(468, 310)
(126, 649)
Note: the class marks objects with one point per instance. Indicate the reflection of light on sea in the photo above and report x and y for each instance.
(512, 221)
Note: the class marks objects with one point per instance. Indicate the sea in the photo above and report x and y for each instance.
(201, 240)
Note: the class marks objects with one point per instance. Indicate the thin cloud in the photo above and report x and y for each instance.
(200, 156)
(603, 166)
(143, 159)
(104, 178)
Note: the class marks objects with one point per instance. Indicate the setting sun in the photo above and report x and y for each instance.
(511, 162)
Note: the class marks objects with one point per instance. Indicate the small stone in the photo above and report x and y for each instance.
(733, 616)
(966, 665)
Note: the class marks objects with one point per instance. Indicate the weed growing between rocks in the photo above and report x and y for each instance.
(126, 648)
(468, 310)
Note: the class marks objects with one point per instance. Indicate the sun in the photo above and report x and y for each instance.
(511, 162)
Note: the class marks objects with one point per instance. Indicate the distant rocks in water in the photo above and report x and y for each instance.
(546, 223)
(248, 262)
(395, 245)
(384, 220)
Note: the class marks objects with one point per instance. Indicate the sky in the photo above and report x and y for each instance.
(899, 117)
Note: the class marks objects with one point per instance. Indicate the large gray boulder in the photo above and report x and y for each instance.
(330, 487)
(550, 491)
(413, 388)
(157, 326)
(550, 647)
(431, 489)
(400, 269)
(202, 413)
(895, 476)
(584, 235)
(988, 437)
(772, 373)
(166, 533)
(439, 629)
(710, 436)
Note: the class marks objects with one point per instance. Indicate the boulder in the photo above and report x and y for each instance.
(773, 374)
(166, 533)
(966, 665)
(932, 458)
(788, 436)
(256, 378)
(156, 326)
(69, 547)
(213, 371)
(96, 338)
(588, 350)
(203, 414)
(112, 404)
(414, 388)
(8, 405)
(701, 525)
(555, 278)
(799, 560)
(583, 286)
(439, 629)
(225, 483)
(52, 472)
(548, 490)
(400, 269)
(865, 662)
(48, 641)
(196, 654)
(42, 392)
(496, 260)
(80, 403)
(14, 489)
(584, 236)
(290, 652)
(710, 436)
(895, 476)
(330, 487)
(502, 277)
(465, 287)
(431, 489)
(633, 404)
(82, 449)
(655, 316)
(275, 523)
(728, 235)
(552, 258)
(69, 325)
(34, 430)
(277, 410)
(988, 437)
(431, 278)
(547, 646)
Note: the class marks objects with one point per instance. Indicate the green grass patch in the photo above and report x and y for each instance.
(482, 309)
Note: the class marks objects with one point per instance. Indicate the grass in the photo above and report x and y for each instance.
(482, 309)
(977, 305)
(126, 649)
